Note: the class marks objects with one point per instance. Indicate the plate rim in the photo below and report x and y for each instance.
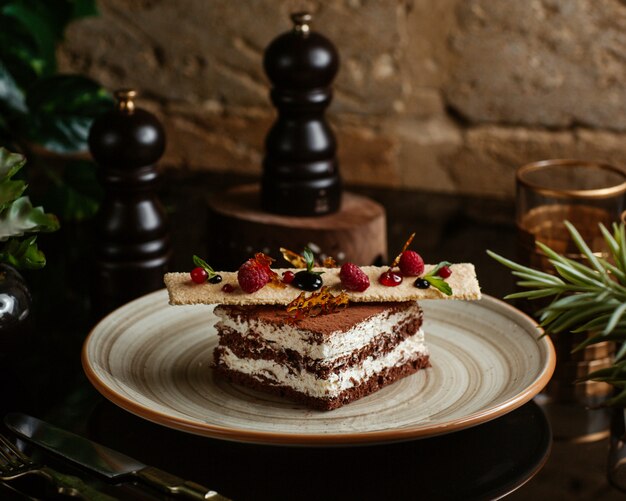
(317, 439)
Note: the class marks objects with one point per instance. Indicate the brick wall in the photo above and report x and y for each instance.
(444, 95)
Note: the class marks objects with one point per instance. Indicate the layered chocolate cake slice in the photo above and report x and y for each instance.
(276, 338)
(325, 361)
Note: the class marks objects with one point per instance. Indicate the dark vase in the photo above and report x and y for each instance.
(15, 308)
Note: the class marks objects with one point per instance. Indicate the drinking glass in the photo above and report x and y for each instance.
(552, 191)
(548, 193)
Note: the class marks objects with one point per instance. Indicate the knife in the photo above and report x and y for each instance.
(103, 461)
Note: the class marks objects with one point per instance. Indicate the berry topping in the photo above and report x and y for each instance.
(436, 278)
(198, 275)
(288, 276)
(444, 272)
(253, 275)
(390, 279)
(353, 278)
(411, 264)
(228, 288)
(215, 279)
(308, 280)
(204, 272)
(422, 283)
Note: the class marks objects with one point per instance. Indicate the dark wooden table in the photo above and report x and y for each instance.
(487, 461)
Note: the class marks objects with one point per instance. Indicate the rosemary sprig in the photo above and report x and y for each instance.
(587, 297)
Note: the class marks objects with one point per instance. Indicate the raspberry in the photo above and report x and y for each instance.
(353, 278)
(411, 264)
(252, 275)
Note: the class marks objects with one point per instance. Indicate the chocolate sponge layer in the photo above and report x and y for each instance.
(367, 387)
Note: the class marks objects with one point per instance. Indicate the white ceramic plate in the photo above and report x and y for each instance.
(153, 360)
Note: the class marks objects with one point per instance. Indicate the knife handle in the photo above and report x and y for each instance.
(171, 484)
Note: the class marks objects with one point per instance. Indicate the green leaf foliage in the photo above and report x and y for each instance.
(587, 296)
(21, 218)
(62, 109)
(11, 96)
(39, 107)
(76, 194)
(23, 254)
(10, 163)
(10, 190)
(18, 217)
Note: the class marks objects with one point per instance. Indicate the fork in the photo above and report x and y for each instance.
(15, 464)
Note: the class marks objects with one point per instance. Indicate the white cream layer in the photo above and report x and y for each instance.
(289, 337)
(305, 382)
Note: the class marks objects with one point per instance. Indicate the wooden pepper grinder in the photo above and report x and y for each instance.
(300, 170)
(132, 238)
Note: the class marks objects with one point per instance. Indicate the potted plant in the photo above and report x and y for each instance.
(19, 224)
(588, 297)
(46, 115)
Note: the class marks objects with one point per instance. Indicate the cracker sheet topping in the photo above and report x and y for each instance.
(182, 290)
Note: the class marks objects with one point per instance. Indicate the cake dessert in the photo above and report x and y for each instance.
(358, 330)
(323, 362)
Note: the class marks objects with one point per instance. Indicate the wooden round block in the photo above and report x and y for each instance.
(239, 228)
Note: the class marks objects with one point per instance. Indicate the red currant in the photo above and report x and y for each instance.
(390, 279)
(228, 288)
(199, 275)
(444, 272)
(288, 277)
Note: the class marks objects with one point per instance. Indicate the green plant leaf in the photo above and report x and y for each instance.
(76, 194)
(23, 254)
(19, 52)
(10, 163)
(536, 294)
(36, 18)
(10, 191)
(11, 96)
(62, 110)
(21, 217)
(83, 8)
(615, 318)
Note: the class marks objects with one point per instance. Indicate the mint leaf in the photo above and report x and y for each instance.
(309, 257)
(439, 283)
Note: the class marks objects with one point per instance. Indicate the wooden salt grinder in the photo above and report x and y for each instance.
(132, 238)
(300, 170)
